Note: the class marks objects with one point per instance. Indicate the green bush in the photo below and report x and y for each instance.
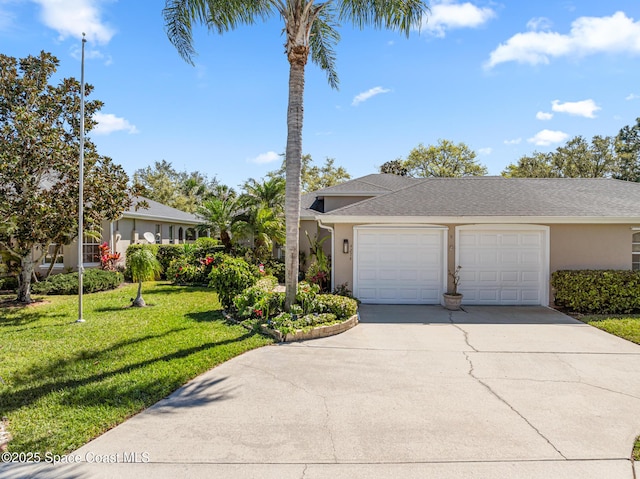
(597, 291)
(230, 276)
(127, 267)
(341, 306)
(93, 280)
(166, 254)
(274, 267)
(8, 283)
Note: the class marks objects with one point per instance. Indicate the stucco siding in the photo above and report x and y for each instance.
(590, 247)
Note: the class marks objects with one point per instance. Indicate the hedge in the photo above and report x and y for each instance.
(93, 280)
(597, 291)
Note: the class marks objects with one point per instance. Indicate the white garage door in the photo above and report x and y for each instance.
(503, 265)
(399, 265)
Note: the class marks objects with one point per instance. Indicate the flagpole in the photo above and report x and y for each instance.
(81, 190)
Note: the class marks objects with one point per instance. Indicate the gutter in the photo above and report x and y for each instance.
(333, 285)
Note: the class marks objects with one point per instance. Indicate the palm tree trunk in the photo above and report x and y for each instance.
(139, 302)
(297, 61)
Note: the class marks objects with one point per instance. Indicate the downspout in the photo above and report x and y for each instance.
(333, 256)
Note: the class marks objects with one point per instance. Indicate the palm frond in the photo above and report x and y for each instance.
(217, 15)
(324, 37)
(399, 15)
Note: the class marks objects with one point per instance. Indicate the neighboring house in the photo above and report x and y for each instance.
(394, 239)
(167, 225)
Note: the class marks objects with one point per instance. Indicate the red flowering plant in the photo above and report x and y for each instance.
(108, 260)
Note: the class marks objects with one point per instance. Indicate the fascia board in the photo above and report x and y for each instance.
(480, 219)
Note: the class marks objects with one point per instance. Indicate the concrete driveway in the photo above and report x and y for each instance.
(411, 392)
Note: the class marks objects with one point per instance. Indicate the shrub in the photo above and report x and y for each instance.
(341, 306)
(230, 276)
(259, 297)
(93, 280)
(275, 268)
(597, 291)
(8, 283)
(166, 254)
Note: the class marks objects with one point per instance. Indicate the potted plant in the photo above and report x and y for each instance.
(453, 299)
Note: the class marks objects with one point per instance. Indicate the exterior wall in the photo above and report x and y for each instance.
(334, 202)
(590, 247)
(343, 263)
(120, 235)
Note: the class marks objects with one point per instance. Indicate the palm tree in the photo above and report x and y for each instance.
(265, 226)
(144, 267)
(268, 193)
(219, 216)
(310, 29)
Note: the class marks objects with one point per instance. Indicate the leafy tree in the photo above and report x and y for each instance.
(144, 267)
(315, 177)
(538, 165)
(628, 151)
(310, 29)
(178, 189)
(39, 171)
(576, 159)
(444, 160)
(395, 167)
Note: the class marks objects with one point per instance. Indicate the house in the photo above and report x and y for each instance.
(395, 239)
(167, 225)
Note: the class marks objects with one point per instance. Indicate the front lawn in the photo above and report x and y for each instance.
(626, 326)
(63, 383)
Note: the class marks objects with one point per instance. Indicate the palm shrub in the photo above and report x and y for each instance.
(144, 267)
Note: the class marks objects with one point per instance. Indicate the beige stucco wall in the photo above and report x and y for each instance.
(590, 247)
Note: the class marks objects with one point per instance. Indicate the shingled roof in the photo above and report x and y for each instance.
(158, 211)
(495, 196)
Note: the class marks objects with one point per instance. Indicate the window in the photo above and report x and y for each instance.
(158, 234)
(90, 250)
(635, 251)
(171, 233)
(49, 256)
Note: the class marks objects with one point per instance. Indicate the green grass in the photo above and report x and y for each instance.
(64, 383)
(625, 326)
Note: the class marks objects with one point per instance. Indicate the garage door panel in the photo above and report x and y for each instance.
(502, 266)
(403, 265)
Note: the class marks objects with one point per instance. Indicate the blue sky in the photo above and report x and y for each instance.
(505, 77)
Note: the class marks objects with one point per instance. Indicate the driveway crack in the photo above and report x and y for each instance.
(504, 401)
(465, 333)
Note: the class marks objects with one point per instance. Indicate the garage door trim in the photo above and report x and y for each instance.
(395, 227)
(544, 286)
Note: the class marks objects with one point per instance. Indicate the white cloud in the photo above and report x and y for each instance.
(632, 96)
(449, 15)
(73, 17)
(543, 115)
(588, 35)
(365, 95)
(538, 24)
(548, 137)
(263, 158)
(515, 141)
(108, 123)
(485, 151)
(585, 108)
